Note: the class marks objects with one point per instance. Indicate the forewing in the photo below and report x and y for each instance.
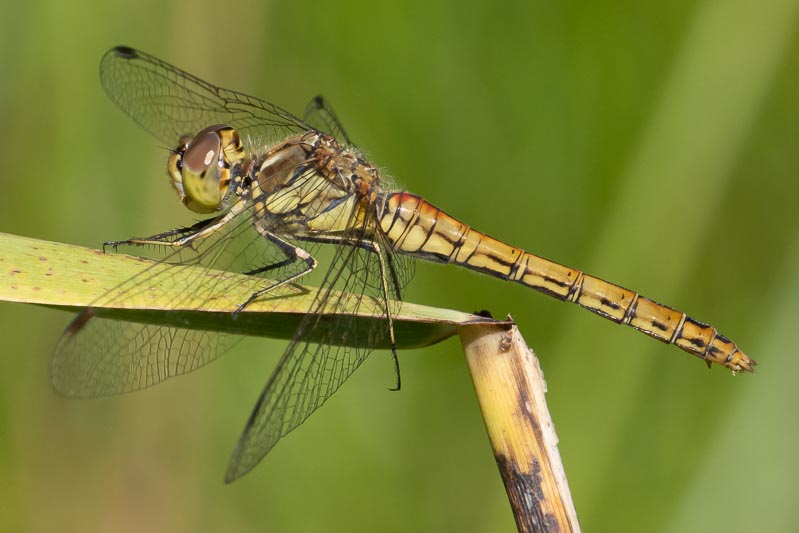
(309, 373)
(169, 102)
(99, 356)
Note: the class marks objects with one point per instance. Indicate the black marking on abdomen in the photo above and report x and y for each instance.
(555, 281)
(431, 230)
(609, 303)
(474, 250)
(659, 325)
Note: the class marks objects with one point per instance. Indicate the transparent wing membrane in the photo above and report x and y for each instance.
(100, 356)
(320, 115)
(112, 357)
(169, 102)
(310, 372)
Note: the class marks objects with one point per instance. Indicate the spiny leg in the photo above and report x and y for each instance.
(373, 247)
(273, 266)
(293, 254)
(200, 230)
(162, 237)
(384, 281)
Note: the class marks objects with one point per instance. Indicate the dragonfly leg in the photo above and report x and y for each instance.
(198, 231)
(384, 281)
(291, 258)
(373, 247)
(293, 254)
(161, 238)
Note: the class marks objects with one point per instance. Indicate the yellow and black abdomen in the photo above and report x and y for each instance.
(415, 227)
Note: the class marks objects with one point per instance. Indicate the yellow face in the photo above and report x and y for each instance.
(200, 167)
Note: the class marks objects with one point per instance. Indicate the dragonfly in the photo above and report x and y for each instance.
(273, 189)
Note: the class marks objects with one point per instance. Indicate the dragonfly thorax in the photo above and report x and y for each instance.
(201, 165)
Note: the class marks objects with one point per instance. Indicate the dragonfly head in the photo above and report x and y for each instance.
(200, 167)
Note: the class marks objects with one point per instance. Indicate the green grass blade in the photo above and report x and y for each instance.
(72, 277)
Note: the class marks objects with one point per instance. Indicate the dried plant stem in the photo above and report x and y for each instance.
(510, 389)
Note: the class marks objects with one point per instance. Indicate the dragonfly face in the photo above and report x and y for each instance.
(201, 166)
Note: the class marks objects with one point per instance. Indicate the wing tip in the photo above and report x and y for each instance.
(125, 52)
(249, 452)
(237, 467)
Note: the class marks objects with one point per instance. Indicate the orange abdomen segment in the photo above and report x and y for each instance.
(415, 227)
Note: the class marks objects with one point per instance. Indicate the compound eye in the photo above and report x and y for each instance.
(202, 152)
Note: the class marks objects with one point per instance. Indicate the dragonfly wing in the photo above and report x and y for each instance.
(169, 102)
(99, 356)
(308, 373)
(320, 115)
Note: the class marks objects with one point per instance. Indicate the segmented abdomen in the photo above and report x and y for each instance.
(415, 227)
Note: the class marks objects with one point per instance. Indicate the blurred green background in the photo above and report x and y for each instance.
(652, 144)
